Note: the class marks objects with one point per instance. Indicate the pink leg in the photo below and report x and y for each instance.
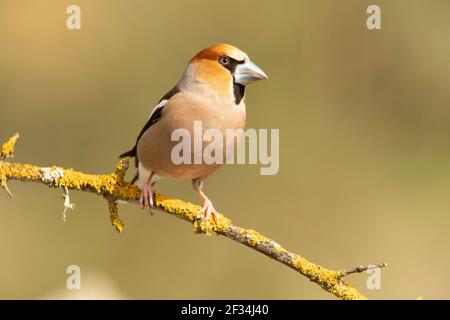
(208, 207)
(146, 199)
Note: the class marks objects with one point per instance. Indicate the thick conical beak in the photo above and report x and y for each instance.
(248, 72)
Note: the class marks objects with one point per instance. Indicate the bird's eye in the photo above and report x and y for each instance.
(223, 60)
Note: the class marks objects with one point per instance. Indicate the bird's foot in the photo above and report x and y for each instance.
(146, 200)
(207, 211)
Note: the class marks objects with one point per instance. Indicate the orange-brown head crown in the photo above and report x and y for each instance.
(218, 50)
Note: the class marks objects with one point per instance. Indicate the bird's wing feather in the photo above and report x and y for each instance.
(154, 117)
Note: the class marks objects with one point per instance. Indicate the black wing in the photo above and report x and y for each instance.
(154, 117)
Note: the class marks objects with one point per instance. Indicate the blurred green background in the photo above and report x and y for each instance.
(364, 119)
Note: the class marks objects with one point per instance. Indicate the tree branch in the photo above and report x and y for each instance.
(113, 188)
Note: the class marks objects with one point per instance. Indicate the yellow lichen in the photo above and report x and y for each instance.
(121, 168)
(203, 226)
(118, 224)
(189, 211)
(7, 149)
(254, 237)
(330, 280)
(114, 216)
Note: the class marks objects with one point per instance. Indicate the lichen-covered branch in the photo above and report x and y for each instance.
(113, 188)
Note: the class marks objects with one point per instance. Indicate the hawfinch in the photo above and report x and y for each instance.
(211, 90)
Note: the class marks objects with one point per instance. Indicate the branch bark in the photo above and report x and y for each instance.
(114, 189)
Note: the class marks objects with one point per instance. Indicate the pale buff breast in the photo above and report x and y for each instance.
(155, 146)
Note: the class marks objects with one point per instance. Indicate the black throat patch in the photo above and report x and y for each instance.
(239, 91)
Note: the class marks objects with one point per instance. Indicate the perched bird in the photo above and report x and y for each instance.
(211, 90)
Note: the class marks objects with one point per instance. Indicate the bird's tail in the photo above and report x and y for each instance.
(130, 153)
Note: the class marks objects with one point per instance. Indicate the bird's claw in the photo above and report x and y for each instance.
(206, 211)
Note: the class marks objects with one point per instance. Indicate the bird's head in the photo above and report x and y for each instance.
(224, 57)
(224, 66)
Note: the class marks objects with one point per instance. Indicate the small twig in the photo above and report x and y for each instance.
(360, 269)
(4, 185)
(114, 216)
(67, 203)
(7, 149)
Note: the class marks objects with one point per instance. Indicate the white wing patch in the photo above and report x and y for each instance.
(158, 106)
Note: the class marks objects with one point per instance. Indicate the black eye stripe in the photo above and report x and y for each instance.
(238, 89)
(232, 65)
